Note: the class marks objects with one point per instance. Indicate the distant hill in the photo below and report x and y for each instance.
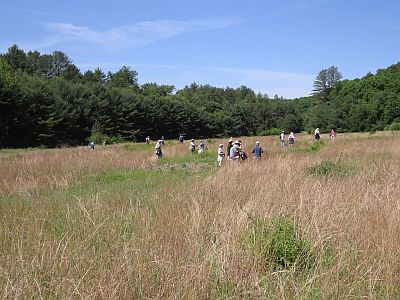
(46, 101)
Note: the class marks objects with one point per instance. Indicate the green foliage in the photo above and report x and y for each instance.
(314, 147)
(207, 159)
(326, 80)
(138, 147)
(276, 244)
(45, 100)
(393, 127)
(98, 138)
(331, 168)
(272, 131)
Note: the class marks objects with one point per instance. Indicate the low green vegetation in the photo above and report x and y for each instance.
(138, 147)
(201, 160)
(306, 147)
(331, 168)
(395, 126)
(277, 245)
(272, 131)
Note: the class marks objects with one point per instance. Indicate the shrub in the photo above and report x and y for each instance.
(330, 168)
(98, 138)
(395, 126)
(276, 244)
(314, 147)
(271, 131)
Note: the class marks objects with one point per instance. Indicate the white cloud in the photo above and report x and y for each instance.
(137, 35)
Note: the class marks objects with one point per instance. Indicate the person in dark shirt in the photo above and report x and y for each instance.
(257, 151)
(228, 148)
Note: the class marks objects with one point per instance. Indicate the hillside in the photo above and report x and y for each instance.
(46, 101)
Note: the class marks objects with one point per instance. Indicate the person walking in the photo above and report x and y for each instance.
(228, 148)
(333, 134)
(91, 146)
(282, 138)
(180, 138)
(192, 146)
(221, 154)
(291, 139)
(202, 147)
(257, 151)
(317, 135)
(148, 140)
(159, 153)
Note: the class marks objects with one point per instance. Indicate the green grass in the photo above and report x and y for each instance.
(139, 183)
(305, 147)
(205, 159)
(134, 147)
(275, 244)
(331, 168)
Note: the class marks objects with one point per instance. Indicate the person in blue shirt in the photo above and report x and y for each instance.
(181, 138)
(91, 146)
(257, 151)
(202, 147)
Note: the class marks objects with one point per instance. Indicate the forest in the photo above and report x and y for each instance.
(46, 101)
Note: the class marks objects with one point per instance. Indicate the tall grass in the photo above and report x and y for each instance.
(108, 224)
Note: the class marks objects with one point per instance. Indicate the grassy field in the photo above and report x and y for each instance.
(315, 221)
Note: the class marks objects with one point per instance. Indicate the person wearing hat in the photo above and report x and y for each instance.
(234, 153)
(291, 139)
(257, 151)
(282, 138)
(221, 154)
(192, 146)
(228, 148)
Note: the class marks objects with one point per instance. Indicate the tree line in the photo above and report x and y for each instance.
(45, 100)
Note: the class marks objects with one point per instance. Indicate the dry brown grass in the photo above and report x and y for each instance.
(187, 240)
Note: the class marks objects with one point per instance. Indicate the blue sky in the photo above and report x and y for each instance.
(272, 47)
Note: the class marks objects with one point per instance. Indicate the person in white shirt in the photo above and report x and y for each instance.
(282, 138)
(159, 153)
(316, 135)
(192, 146)
(221, 154)
(291, 139)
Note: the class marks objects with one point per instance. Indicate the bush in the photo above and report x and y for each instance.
(314, 147)
(276, 244)
(271, 131)
(98, 138)
(116, 139)
(395, 126)
(330, 168)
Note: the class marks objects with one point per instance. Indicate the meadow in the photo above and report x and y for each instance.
(315, 221)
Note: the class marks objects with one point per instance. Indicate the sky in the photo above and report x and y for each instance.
(273, 47)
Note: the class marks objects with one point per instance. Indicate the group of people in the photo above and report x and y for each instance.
(192, 146)
(235, 152)
(291, 139)
(317, 134)
(201, 148)
(234, 148)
